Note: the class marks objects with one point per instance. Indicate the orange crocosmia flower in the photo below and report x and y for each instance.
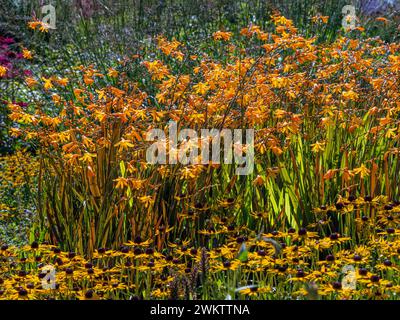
(350, 95)
(44, 27)
(56, 98)
(121, 183)
(281, 20)
(112, 73)
(279, 82)
(146, 200)
(27, 118)
(165, 46)
(220, 35)
(62, 81)
(258, 181)
(319, 18)
(117, 92)
(363, 171)
(276, 150)
(263, 36)
(27, 54)
(279, 113)
(88, 80)
(347, 174)
(330, 174)
(124, 144)
(377, 83)
(3, 71)
(33, 24)
(47, 83)
(318, 147)
(31, 82)
(179, 55)
(78, 92)
(87, 142)
(100, 116)
(391, 133)
(382, 19)
(375, 130)
(15, 132)
(324, 19)
(201, 88)
(70, 147)
(385, 121)
(87, 157)
(373, 110)
(101, 94)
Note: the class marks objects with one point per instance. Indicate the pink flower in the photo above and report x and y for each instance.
(4, 40)
(27, 73)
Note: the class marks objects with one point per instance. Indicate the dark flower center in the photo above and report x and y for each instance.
(149, 251)
(89, 294)
(124, 249)
(363, 271)
(357, 257)
(330, 257)
(22, 292)
(387, 263)
(240, 239)
(261, 253)
(169, 258)
(339, 205)
(337, 285)
(351, 197)
(302, 232)
(69, 271)
(334, 236)
(22, 273)
(300, 274)
(90, 271)
(390, 230)
(282, 268)
(34, 245)
(138, 240)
